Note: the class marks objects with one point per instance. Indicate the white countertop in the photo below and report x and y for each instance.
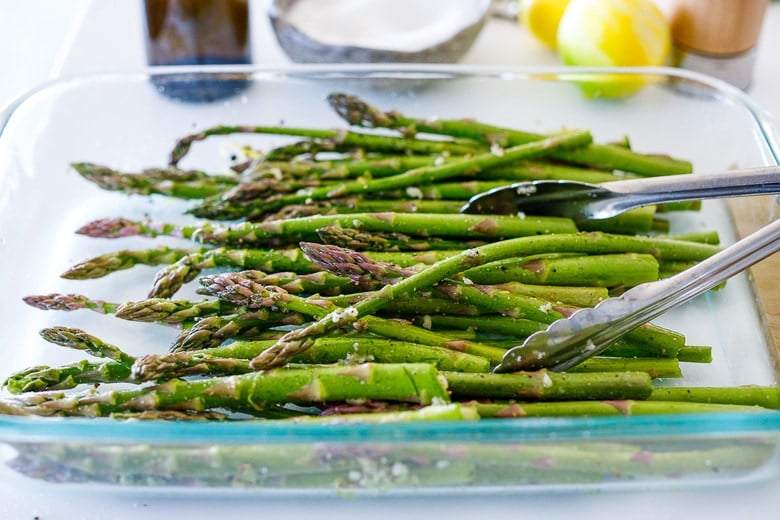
(46, 39)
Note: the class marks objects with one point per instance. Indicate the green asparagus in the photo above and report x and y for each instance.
(357, 271)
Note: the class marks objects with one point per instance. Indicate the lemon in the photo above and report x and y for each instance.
(541, 18)
(613, 33)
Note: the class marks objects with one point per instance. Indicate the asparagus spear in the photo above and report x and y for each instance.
(350, 168)
(104, 264)
(44, 378)
(491, 299)
(428, 302)
(409, 382)
(320, 282)
(374, 241)
(248, 234)
(234, 358)
(325, 466)
(577, 296)
(705, 237)
(452, 190)
(548, 170)
(437, 302)
(149, 310)
(606, 157)
(695, 354)
(545, 385)
(212, 331)
(69, 302)
(364, 205)
(655, 367)
(185, 184)
(243, 200)
(433, 412)
(155, 367)
(653, 342)
(79, 340)
(268, 260)
(172, 415)
(751, 395)
(39, 378)
(170, 311)
(637, 220)
(602, 408)
(488, 324)
(248, 191)
(363, 270)
(379, 349)
(625, 270)
(332, 140)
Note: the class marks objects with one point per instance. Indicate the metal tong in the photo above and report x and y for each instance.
(582, 201)
(587, 332)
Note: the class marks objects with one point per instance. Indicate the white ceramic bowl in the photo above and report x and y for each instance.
(338, 42)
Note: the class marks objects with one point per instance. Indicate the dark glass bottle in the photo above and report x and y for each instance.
(198, 32)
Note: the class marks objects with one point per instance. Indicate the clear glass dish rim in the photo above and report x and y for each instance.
(419, 71)
(554, 429)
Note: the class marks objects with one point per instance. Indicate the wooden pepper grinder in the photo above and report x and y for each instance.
(718, 37)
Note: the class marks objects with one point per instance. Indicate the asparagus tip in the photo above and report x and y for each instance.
(110, 228)
(55, 301)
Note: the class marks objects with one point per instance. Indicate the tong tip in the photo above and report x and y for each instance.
(562, 345)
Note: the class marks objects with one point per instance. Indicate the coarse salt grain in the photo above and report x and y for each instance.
(427, 322)
(497, 150)
(399, 470)
(414, 192)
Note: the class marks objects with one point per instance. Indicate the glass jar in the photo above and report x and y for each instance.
(197, 32)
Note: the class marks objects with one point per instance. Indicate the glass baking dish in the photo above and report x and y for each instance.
(123, 121)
